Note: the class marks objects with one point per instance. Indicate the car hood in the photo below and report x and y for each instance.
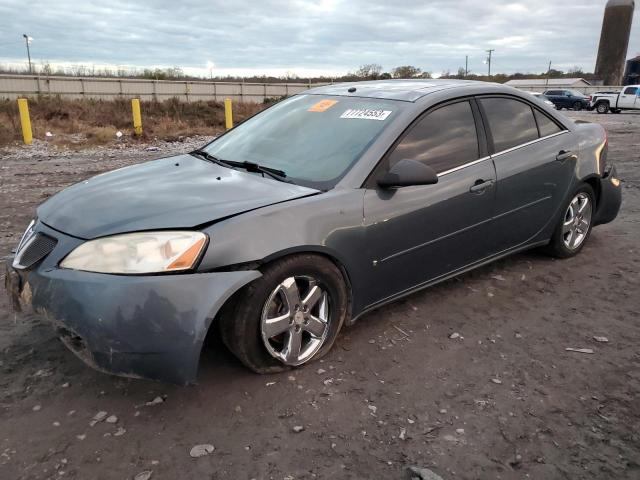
(176, 192)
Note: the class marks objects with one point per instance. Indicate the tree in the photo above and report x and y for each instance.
(426, 75)
(555, 73)
(575, 70)
(406, 71)
(369, 71)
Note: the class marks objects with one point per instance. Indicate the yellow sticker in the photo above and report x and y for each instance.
(322, 106)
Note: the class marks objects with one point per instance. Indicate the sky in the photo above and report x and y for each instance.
(308, 38)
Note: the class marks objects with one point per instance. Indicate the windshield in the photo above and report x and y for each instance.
(313, 139)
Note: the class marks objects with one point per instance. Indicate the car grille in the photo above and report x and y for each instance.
(35, 250)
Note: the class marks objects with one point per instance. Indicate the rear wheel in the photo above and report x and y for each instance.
(577, 106)
(602, 107)
(289, 316)
(575, 225)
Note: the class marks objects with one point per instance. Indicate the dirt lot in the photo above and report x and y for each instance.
(503, 400)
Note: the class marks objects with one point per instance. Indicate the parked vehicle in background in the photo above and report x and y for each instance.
(567, 99)
(542, 97)
(628, 99)
(296, 222)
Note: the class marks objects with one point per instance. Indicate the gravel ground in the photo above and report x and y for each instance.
(501, 399)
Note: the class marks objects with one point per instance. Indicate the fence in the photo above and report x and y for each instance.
(587, 90)
(14, 86)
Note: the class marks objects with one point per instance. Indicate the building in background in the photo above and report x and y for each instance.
(614, 40)
(632, 72)
(551, 82)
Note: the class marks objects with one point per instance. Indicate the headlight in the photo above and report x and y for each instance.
(144, 252)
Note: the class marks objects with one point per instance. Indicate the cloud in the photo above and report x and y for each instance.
(331, 36)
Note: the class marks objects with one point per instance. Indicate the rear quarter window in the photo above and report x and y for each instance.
(511, 122)
(546, 126)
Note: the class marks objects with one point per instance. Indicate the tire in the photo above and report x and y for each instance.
(602, 107)
(616, 110)
(244, 320)
(572, 233)
(577, 106)
(558, 107)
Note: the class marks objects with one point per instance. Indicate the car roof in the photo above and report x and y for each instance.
(405, 90)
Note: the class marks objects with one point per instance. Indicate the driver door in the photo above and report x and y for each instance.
(417, 234)
(629, 98)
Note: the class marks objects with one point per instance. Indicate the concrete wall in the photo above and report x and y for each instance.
(14, 86)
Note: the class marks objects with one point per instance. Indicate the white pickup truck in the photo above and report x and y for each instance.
(628, 99)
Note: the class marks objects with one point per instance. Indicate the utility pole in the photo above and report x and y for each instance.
(466, 66)
(27, 40)
(548, 73)
(490, 51)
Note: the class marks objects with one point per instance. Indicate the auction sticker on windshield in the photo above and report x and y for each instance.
(366, 114)
(322, 106)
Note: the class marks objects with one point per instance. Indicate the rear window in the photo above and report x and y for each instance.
(511, 122)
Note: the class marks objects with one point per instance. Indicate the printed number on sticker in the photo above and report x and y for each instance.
(366, 114)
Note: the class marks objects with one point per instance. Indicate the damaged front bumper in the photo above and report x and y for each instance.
(150, 326)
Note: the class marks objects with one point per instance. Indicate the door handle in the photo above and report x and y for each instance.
(564, 155)
(480, 186)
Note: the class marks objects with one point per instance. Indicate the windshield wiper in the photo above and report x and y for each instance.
(256, 168)
(207, 156)
(248, 166)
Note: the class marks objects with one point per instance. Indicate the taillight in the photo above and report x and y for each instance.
(602, 154)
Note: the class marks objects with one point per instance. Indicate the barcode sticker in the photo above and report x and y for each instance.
(366, 114)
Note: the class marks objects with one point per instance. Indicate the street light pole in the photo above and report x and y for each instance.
(26, 40)
(491, 50)
(466, 66)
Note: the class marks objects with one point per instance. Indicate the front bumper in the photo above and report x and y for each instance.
(137, 326)
(610, 197)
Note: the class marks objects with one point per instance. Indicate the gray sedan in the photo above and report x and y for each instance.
(301, 219)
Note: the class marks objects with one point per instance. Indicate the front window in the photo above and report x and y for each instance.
(314, 139)
(444, 139)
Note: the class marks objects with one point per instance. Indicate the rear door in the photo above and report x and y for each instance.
(534, 166)
(419, 233)
(628, 98)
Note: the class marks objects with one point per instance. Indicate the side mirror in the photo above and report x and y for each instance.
(406, 173)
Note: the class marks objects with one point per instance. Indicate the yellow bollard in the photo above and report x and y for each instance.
(25, 121)
(228, 113)
(137, 118)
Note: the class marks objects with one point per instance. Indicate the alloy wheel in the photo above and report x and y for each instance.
(295, 320)
(577, 221)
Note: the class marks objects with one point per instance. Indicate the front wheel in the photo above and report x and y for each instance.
(289, 316)
(575, 225)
